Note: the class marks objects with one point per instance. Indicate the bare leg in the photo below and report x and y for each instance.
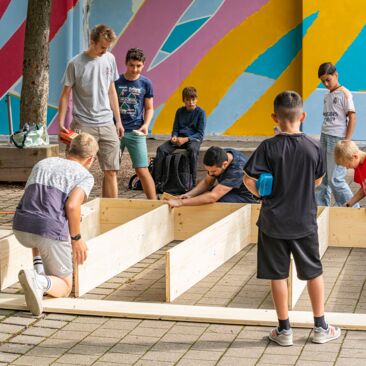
(110, 186)
(280, 298)
(316, 294)
(35, 252)
(60, 287)
(147, 182)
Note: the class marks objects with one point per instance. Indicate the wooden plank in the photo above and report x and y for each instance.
(90, 219)
(255, 214)
(296, 286)
(13, 258)
(16, 164)
(167, 196)
(189, 313)
(196, 257)
(189, 220)
(4, 233)
(116, 250)
(347, 227)
(115, 212)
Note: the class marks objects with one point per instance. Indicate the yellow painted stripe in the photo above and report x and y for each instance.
(257, 121)
(221, 66)
(337, 26)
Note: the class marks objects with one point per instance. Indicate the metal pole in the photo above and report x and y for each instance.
(10, 115)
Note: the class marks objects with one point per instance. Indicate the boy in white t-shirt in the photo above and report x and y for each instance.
(338, 124)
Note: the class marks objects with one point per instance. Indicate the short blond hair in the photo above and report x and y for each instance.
(344, 151)
(84, 146)
(102, 31)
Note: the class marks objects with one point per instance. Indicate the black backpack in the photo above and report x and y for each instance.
(134, 183)
(177, 177)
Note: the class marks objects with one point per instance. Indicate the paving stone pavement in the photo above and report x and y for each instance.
(59, 339)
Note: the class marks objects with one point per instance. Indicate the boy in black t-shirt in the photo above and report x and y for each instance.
(225, 167)
(287, 220)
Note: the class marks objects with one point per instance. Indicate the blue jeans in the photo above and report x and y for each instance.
(334, 179)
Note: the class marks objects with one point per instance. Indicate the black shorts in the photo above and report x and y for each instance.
(273, 257)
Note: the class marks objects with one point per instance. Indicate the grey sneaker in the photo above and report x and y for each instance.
(32, 290)
(283, 338)
(322, 335)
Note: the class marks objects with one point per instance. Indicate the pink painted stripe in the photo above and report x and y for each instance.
(168, 75)
(149, 28)
(3, 6)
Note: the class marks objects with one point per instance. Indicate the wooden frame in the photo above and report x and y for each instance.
(151, 225)
(119, 234)
(13, 258)
(199, 255)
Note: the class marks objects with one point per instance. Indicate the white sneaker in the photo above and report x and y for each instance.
(33, 291)
(322, 335)
(283, 338)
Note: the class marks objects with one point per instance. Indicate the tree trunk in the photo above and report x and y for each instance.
(34, 95)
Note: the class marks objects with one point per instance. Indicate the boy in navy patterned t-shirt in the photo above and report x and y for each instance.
(135, 98)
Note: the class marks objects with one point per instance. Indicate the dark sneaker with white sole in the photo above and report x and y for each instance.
(33, 292)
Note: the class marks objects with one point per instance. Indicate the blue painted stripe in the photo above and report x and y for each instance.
(246, 90)
(352, 65)
(181, 33)
(156, 114)
(12, 19)
(199, 9)
(118, 13)
(275, 59)
(15, 106)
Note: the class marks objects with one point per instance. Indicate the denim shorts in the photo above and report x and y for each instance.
(137, 148)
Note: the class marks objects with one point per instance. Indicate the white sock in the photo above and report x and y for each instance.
(38, 265)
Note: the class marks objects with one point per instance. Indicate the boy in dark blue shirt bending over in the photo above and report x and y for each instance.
(188, 130)
(287, 220)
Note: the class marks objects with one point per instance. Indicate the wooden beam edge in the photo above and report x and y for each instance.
(190, 313)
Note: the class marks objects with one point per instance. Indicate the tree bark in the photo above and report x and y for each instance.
(34, 95)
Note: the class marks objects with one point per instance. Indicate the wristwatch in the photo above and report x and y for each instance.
(76, 237)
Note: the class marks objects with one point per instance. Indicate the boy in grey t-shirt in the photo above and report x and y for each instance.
(91, 75)
(48, 213)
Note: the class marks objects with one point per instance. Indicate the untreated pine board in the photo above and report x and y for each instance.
(255, 214)
(90, 219)
(189, 313)
(189, 220)
(347, 227)
(296, 286)
(16, 164)
(195, 258)
(116, 250)
(13, 258)
(115, 212)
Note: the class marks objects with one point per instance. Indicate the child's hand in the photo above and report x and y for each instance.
(79, 250)
(143, 129)
(182, 140)
(348, 204)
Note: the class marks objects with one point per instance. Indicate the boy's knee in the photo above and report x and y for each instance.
(110, 173)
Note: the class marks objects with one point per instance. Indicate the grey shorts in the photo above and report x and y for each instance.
(56, 255)
(109, 154)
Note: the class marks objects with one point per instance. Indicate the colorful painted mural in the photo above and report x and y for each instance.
(238, 53)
